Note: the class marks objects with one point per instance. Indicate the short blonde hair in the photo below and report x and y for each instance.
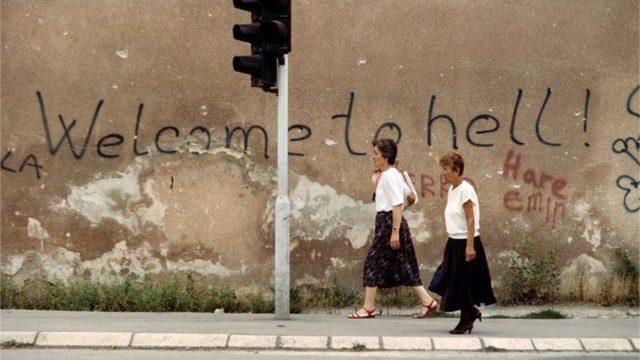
(454, 161)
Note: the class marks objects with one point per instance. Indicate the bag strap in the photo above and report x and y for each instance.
(405, 180)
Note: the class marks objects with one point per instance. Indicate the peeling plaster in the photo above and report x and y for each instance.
(592, 233)
(36, 231)
(64, 265)
(340, 266)
(14, 265)
(108, 198)
(58, 204)
(417, 226)
(330, 142)
(591, 264)
(155, 213)
(261, 176)
(115, 198)
(585, 275)
(60, 264)
(338, 263)
(307, 279)
(320, 213)
(204, 267)
(57, 265)
(121, 259)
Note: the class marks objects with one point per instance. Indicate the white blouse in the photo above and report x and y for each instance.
(391, 190)
(454, 216)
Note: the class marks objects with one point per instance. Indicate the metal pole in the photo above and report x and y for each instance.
(283, 206)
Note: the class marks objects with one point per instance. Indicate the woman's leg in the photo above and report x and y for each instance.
(370, 297)
(369, 301)
(426, 299)
(423, 294)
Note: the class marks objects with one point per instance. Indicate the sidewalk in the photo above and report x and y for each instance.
(313, 332)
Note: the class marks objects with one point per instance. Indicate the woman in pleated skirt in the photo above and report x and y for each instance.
(462, 279)
(391, 260)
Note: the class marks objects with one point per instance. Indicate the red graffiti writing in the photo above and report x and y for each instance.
(548, 191)
(428, 183)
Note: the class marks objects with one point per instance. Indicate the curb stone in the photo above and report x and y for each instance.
(457, 343)
(19, 337)
(180, 340)
(252, 341)
(604, 344)
(84, 339)
(557, 344)
(509, 344)
(348, 342)
(300, 342)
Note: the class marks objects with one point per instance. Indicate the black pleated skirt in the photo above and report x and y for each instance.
(385, 267)
(463, 284)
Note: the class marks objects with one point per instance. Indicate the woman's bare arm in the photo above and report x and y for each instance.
(470, 252)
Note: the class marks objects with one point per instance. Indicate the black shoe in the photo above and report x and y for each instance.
(461, 329)
(467, 318)
(476, 315)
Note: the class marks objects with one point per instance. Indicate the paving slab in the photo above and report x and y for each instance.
(156, 340)
(99, 339)
(18, 337)
(557, 344)
(406, 343)
(252, 341)
(457, 343)
(509, 344)
(304, 342)
(605, 344)
(348, 342)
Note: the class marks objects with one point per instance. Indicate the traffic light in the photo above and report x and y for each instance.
(270, 37)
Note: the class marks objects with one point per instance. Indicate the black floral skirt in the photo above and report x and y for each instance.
(385, 267)
(463, 284)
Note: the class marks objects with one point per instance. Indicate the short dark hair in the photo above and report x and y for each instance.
(388, 149)
(454, 161)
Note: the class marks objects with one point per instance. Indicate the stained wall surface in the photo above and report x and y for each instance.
(123, 150)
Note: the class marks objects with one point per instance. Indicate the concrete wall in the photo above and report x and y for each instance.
(540, 97)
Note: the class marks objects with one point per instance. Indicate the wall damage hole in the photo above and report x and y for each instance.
(171, 186)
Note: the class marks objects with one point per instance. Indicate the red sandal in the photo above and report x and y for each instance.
(431, 308)
(370, 314)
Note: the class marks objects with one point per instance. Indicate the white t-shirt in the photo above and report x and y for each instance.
(454, 216)
(391, 190)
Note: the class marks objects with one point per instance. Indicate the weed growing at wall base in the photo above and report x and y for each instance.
(128, 295)
(150, 295)
(531, 277)
(626, 272)
(174, 295)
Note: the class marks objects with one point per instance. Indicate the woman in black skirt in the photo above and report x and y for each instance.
(391, 260)
(463, 279)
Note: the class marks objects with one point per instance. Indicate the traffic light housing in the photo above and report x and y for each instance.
(270, 37)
